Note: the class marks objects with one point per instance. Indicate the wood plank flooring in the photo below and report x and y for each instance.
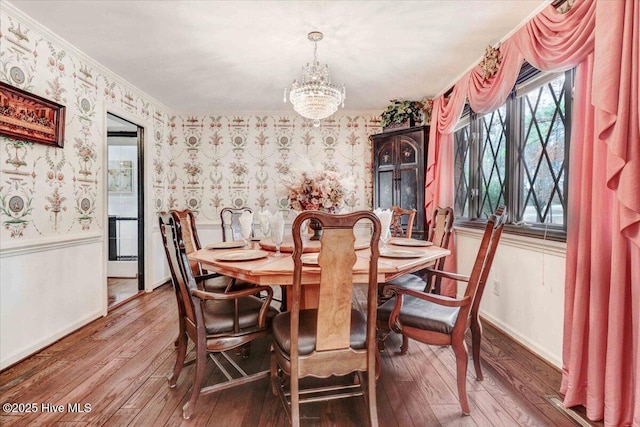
(120, 289)
(115, 369)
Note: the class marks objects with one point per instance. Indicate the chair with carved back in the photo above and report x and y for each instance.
(214, 321)
(230, 222)
(334, 339)
(402, 221)
(439, 234)
(439, 320)
(211, 282)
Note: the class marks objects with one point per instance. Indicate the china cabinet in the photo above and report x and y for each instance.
(399, 162)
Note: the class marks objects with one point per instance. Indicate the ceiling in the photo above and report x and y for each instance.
(203, 56)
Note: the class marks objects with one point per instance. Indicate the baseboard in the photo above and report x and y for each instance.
(525, 342)
(158, 283)
(45, 342)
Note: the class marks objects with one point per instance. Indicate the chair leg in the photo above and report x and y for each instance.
(283, 303)
(181, 353)
(371, 390)
(405, 345)
(462, 357)
(295, 400)
(274, 374)
(476, 338)
(201, 360)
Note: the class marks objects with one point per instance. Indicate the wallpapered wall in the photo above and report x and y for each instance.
(46, 190)
(217, 161)
(200, 162)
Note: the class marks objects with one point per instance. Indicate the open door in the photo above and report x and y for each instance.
(125, 205)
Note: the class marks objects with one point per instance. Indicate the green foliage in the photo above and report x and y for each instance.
(400, 111)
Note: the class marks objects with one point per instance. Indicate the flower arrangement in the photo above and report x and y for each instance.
(316, 190)
(400, 111)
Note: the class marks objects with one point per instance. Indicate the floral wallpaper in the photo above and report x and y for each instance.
(47, 190)
(218, 161)
(200, 162)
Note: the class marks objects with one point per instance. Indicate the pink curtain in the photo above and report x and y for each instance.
(439, 181)
(601, 355)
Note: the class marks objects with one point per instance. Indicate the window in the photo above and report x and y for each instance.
(518, 155)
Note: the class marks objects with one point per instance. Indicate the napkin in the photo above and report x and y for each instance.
(246, 224)
(384, 215)
(264, 218)
(276, 222)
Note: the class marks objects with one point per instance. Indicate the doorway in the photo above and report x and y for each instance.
(125, 207)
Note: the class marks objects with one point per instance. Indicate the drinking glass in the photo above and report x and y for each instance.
(277, 232)
(385, 237)
(246, 236)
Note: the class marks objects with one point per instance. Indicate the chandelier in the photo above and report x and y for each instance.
(315, 97)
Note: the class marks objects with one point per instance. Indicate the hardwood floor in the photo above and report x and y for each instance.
(120, 289)
(118, 365)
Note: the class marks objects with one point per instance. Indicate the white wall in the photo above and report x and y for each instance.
(45, 295)
(528, 303)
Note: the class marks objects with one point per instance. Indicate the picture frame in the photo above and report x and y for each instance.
(120, 176)
(28, 117)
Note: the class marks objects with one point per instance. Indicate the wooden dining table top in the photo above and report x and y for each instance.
(272, 270)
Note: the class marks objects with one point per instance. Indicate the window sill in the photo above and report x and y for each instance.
(520, 240)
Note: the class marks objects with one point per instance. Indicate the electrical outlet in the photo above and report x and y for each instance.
(496, 287)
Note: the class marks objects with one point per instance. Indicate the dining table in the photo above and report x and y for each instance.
(259, 263)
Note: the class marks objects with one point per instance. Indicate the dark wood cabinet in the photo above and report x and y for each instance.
(399, 163)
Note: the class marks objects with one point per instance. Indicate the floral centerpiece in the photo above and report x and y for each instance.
(316, 190)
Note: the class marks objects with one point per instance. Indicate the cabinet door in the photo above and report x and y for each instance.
(385, 175)
(407, 172)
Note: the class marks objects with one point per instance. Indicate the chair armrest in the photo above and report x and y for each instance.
(234, 296)
(434, 298)
(207, 276)
(204, 295)
(447, 274)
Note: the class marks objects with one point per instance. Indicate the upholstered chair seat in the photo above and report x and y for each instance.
(421, 314)
(219, 314)
(409, 281)
(281, 329)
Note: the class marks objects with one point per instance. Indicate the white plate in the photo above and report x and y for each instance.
(226, 245)
(400, 253)
(410, 242)
(241, 255)
(309, 259)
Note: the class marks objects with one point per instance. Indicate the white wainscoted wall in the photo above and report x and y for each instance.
(525, 290)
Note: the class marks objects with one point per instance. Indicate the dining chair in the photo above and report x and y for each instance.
(439, 234)
(230, 221)
(334, 339)
(211, 282)
(402, 221)
(439, 320)
(214, 321)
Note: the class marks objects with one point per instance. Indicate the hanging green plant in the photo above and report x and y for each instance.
(399, 112)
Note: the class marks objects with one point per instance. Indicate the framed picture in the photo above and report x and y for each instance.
(120, 176)
(28, 117)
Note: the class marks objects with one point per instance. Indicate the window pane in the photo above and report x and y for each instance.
(542, 154)
(461, 172)
(493, 157)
